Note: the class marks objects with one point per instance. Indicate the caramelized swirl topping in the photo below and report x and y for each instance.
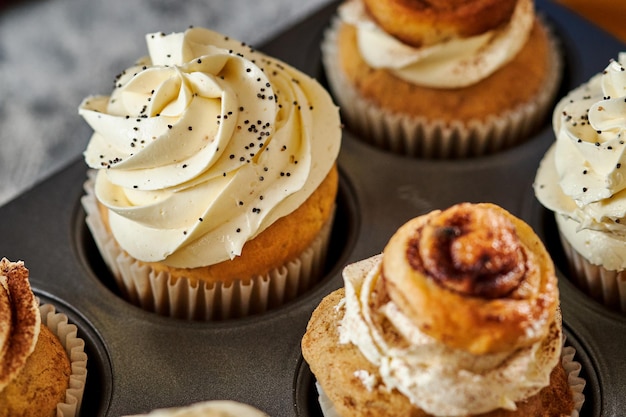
(474, 252)
(424, 22)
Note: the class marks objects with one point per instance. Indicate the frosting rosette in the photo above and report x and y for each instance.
(581, 177)
(204, 144)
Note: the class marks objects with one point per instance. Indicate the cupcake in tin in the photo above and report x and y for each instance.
(445, 79)
(216, 177)
(581, 179)
(43, 365)
(459, 316)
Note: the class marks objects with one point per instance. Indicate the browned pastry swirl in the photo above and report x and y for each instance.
(19, 319)
(470, 252)
(474, 277)
(427, 22)
(34, 366)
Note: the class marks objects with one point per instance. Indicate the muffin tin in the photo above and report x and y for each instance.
(139, 361)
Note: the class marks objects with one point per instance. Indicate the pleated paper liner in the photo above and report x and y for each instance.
(75, 349)
(603, 285)
(185, 299)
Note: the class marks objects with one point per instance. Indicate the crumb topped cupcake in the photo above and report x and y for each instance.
(442, 80)
(413, 331)
(42, 361)
(581, 180)
(209, 156)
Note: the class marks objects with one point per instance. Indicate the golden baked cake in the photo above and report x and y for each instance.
(271, 249)
(498, 93)
(34, 366)
(457, 317)
(209, 156)
(442, 79)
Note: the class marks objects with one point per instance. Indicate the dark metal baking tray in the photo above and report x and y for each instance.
(139, 361)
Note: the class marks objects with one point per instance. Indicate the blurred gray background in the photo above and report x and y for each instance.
(53, 53)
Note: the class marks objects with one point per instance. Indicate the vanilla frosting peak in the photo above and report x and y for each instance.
(204, 144)
(582, 177)
(211, 408)
(459, 62)
(438, 379)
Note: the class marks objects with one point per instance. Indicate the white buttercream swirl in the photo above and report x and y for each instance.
(455, 63)
(212, 408)
(581, 177)
(436, 378)
(204, 144)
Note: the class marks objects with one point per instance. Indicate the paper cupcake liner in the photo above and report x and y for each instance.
(603, 285)
(75, 349)
(572, 369)
(576, 382)
(160, 293)
(429, 138)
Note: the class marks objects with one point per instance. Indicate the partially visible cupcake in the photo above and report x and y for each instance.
(446, 79)
(459, 316)
(581, 179)
(217, 177)
(212, 408)
(42, 361)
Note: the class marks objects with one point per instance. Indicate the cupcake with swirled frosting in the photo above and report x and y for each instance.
(447, 79)
(215, 178)
(581, 179)
(459, 316)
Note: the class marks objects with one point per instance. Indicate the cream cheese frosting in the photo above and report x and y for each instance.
(456, 63)
(204, 144)
(436, 378)
(581, 177)
(20, 320)
(213, 408)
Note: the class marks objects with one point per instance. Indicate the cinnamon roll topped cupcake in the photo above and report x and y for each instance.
(42, 361)
(448, 79)
(458, 316)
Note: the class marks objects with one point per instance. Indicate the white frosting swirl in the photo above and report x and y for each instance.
(212, 408)
(456, 63)
(436, 378)
(581, 177)
(204, 144)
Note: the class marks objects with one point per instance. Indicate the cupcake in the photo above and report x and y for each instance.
(581, 180)
(216, 177)
(42, 361)
(459, 316)
(214, 408)
(445, 79)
